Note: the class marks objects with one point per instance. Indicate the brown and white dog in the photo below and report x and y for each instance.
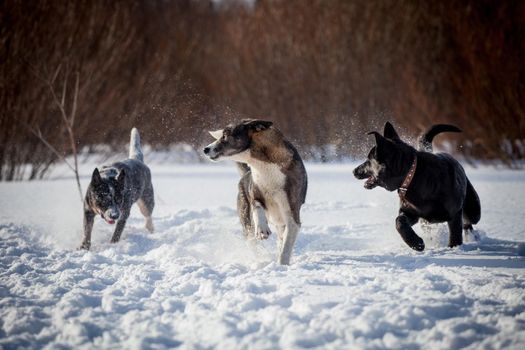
(273, 183)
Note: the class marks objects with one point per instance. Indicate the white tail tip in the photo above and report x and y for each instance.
(135, 151)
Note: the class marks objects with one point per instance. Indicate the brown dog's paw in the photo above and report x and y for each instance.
(262, 232)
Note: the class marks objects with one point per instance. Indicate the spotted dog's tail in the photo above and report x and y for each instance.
(135, 151)
(425, 141)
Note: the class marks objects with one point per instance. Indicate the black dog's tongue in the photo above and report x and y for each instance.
(370, 183)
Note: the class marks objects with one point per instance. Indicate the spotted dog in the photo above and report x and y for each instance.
(113, 190)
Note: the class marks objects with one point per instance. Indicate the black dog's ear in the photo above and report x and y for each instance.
(389, 132)
(257, 124)
(95, 178)
(121, 178)
(379, 138)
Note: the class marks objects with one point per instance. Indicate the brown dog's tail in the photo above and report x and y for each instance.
(425, 141)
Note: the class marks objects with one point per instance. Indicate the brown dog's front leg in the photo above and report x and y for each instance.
(404, 224)
(89, 217)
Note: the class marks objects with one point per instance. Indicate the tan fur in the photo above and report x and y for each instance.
(268, 146)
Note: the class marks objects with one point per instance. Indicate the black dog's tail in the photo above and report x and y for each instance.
(471, 207)
(243, 168)
(425, 141)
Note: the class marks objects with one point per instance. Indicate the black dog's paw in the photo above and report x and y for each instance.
(418, 245)
(471, 235)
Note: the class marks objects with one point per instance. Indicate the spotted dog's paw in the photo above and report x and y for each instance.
(84, 246)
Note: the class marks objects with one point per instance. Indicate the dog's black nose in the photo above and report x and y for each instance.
(206, 150)
(114, 216)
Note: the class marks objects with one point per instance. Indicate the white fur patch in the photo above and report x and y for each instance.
(212, 152)
(374, 168)
(216, 134)
(270, 180)
(241, 157)
(286, 246)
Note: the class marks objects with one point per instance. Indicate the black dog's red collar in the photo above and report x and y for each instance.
(402, 191)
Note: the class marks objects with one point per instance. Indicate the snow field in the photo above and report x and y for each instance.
(196, 283)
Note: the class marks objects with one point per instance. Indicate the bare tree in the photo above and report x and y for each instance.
(67, 118)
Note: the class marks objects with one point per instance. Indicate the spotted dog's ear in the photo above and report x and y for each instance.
(121, 178)
(257, 125)
(95, 178)
(390, 133)
(217, 134)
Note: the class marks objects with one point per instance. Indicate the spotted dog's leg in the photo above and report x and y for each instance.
(89, 218)
(121, 223)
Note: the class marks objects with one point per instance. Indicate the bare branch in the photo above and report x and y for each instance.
(59, 105)
(35, 71)
(64, 91)
(53, 78)
(39, 135)
(75, 99)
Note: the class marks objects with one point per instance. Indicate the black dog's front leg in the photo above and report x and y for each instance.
(404, 224)
(121, 223)
(89, 218)
(455, 230)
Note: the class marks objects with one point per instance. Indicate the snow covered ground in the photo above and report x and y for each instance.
(196, 284)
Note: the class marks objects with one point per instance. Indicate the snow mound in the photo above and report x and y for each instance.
(196, 283)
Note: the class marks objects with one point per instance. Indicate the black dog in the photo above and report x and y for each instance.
(115, 188)
(430, 186)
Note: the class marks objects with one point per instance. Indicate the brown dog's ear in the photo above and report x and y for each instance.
(389, 132)
(216, 134)
(257, 125)
(95, 178)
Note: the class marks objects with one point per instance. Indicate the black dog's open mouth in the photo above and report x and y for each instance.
(215, 157)
(371, 182)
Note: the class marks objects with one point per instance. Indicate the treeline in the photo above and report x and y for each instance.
(324, 71)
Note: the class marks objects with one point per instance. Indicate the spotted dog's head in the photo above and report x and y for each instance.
(105, 195)
(234, 140)
(386, 162)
